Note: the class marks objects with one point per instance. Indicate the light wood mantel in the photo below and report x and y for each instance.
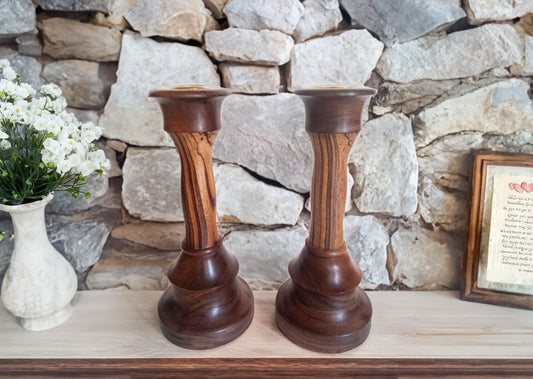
(413, 333)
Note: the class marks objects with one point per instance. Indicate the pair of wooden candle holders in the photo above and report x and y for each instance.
(207, 305)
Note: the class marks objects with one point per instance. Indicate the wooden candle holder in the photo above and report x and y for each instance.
(206, 305)
(321, 307)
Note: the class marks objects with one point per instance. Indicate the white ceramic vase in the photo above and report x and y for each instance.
(39, 283)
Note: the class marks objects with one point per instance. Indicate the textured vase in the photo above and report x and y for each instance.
(39, 283)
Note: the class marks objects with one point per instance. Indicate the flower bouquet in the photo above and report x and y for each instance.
(43, 149)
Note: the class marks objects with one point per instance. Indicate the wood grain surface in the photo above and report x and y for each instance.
(413, 333)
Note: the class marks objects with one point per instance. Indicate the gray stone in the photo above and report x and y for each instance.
(84, 84)
(115, 17)
(241, 198)
(159, 235)
(81, 243)
(216, 7)
(267, 47)
(499, 108)
(528, 56)
(76, 5)
(320, 16)
(28, 68)
(385, 167)
(178, 19)
(64, 203)
(117, 145)
(16, 17)
(520, 141)
(409, 97)
(64, 38)
(282, 15)
(146, 65)
(426, 259)
(480, 11)
(264, 255)
(438, 58)
(442, 207)
(127, 265)
(349, 186)
(250, 79)
(85, 115)
(367, 242)
(403, 20)
(346, 59)
(115, 170)
(152, 184)
(273, 128)
(445, 161)
(29, 44)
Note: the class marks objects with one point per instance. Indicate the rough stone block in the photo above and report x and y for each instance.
(64, 38)
(403, 20)
(426, 259)
(438, 58)
(346, 59)
(385, 167)
(265, 47)
(241, 198)
(272, 127)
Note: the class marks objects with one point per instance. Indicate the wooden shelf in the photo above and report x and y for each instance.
(413, 333)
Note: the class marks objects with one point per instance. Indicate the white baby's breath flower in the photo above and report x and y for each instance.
(5, 144)
(4, 63)
(87, 167)
(59, 104)
(52, 146)
(9, 73)
(64, 166)
(51, 90)
(75, 160)
(3, 135)
(97, 156)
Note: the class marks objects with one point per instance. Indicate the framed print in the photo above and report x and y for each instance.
(498, 261)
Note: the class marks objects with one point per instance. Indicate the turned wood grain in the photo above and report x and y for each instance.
(329, 189)
(320, 307)
(198, 191)
(207, 304)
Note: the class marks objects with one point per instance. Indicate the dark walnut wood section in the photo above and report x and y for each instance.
(321, 307)
(207, 304)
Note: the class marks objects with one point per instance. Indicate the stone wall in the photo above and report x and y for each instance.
(452, 78)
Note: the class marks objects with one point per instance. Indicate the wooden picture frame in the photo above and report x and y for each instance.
(475, 286)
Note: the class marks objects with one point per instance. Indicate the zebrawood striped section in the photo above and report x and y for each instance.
(328, 189)
(197, 188)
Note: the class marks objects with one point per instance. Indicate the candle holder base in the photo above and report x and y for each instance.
(317, 311)
(321, 327)
(203, 314)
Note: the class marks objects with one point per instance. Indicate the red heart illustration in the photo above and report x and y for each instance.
(517, 187)
(527, 187)
(511, 186)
